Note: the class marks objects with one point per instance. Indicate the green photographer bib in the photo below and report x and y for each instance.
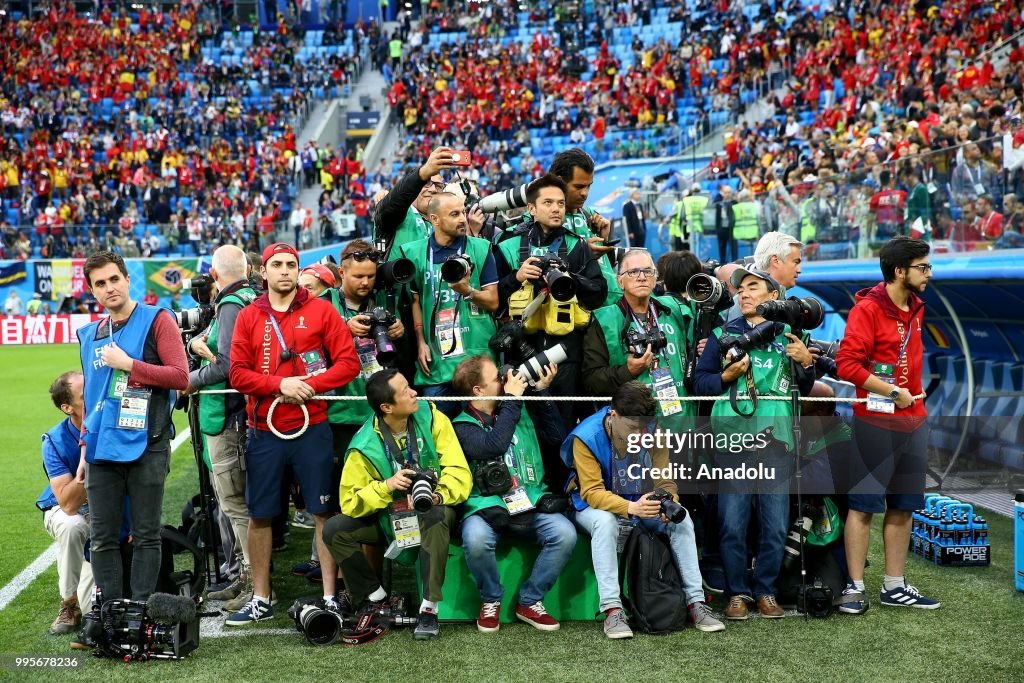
(577, 222)
(413, 228)
(522, 459)
(772, 377)
(455, 328)
(212, 406)
(676, 325)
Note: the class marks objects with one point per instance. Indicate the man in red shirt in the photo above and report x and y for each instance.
(990, 221)
(888, 205)
(290, 346)
(882, 354)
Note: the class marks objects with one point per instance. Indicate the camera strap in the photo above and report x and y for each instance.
(751, 392)
(411, 453)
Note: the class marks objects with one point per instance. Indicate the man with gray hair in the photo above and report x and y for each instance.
(222, 416)
(779, 255)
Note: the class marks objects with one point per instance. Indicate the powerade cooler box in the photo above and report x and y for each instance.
(948, 533)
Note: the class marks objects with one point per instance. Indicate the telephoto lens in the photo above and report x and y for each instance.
(456, 267)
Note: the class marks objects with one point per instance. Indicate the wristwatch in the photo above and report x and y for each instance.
(894, 394)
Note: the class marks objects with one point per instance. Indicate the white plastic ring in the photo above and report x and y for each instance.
(287, 437)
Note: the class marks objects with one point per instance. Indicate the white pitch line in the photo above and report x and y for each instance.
(49, 556)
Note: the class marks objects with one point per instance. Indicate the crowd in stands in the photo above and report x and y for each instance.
(145, 132)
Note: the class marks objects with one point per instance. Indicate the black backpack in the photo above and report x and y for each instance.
(650, 585)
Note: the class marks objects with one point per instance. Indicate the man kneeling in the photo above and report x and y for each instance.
(605, 497)
(392, 463)
(501, 440)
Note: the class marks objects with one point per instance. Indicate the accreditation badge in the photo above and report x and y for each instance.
(516, 499)
(449, 335)
(876, 402)
(666, 392)
(405, 524)
(134, 410)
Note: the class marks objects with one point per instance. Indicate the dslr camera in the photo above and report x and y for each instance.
(675, 512)
(380, 320)
(532, 367)
(555, 274)
(638, 341)
(493, 478)
(424, 483)
(815, 600)
(800, 314)
(323, 626)
(192, 321)
(455, 268)
(759, 335)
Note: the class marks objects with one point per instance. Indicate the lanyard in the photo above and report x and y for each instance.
(390, 443)
(286, 353)
(437, 297)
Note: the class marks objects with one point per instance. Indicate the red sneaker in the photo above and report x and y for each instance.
(487, 622)
(535, 615)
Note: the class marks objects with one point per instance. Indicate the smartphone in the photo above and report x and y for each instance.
(610, 243)
(462, 158)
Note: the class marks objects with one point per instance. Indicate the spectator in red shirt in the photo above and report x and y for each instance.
(990, 221)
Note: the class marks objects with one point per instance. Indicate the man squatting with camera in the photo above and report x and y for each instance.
(64, 504)
(222, 416)
(607, 503)
(752, 354)
(291, 345)
(509, 494)
(404, 473)
(133, 360)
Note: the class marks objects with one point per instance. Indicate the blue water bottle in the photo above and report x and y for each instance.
(1018, 535)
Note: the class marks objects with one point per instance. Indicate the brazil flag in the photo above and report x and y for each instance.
(164, 277)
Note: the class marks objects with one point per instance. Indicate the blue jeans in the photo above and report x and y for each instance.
(734, 510)
(603, 528)
(553, 532)
(449, 408)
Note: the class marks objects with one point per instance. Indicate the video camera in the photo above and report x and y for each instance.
(192, 321)
(163, 627)
(323, 626)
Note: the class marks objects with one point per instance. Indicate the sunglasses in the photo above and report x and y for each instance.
(361, 256)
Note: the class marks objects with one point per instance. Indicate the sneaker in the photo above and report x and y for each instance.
(245, 596)
(304, 568)
(303, 520)
(703, 619)
(769, 608)
(737, 608)
(253, 611)
(853, 601)
(315, 575)
(615, 625)
(907, 596)
(233, 590)
(536, 616)
(279, 545)
(426, 627)
(488, 621)
(69, 617)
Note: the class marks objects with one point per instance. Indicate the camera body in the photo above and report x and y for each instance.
(761, 334)
(815, 600)
(424, 483)
(455, 268)
(675, 512)
(555, 273)
(509, 339)
(493, 478)
(638, 341)
(192, 321)
(381, 319)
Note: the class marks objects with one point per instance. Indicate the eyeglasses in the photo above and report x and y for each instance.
(635, 273)
(361, 256)
(925, 268)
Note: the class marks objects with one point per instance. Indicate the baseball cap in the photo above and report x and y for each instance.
(322, 273)
(740, 273)
(279, 248)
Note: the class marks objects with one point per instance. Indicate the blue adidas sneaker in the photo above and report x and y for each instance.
(907, 596)
(253, 611)
(853, 601)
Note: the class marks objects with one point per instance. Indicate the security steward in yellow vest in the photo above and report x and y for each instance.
(521, 279)
(745, 211)
(609, 358)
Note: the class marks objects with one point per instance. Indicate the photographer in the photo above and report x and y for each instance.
(605, 496)
(576, 169)
(133, 360)
(519, 260)
(640, 337)
(401, 216)
(503, 435)
(452, 317)
(408, 450)
(222, 416)
(765, 368)
(292, 346)
(64, 504)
